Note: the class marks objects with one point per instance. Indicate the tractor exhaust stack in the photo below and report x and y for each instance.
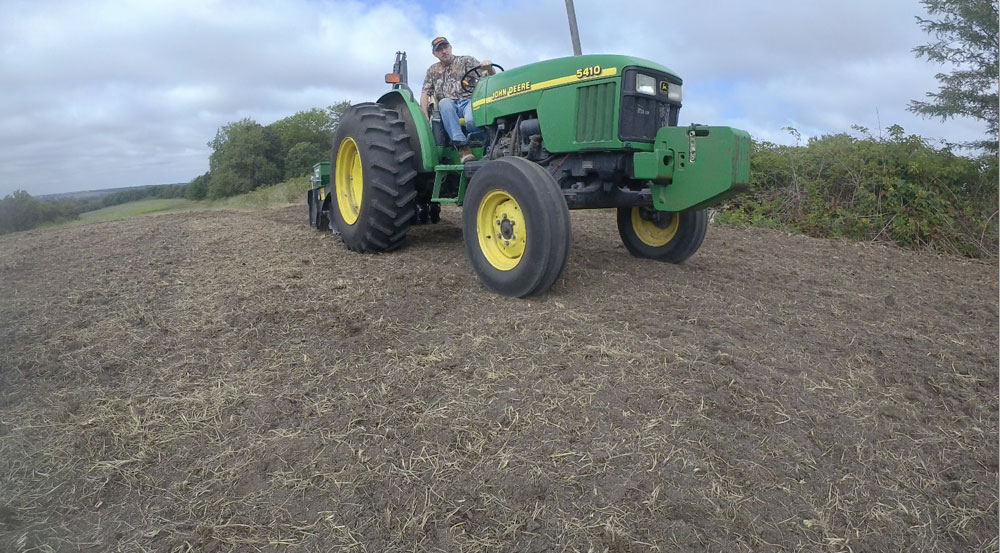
(574, 34)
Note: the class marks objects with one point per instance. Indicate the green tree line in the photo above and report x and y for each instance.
(897, 188)
(21, 211)
(245, 156)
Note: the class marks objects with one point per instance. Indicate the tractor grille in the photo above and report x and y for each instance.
(595, 112)
(641, 114)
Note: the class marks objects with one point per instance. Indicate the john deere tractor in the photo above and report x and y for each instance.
(582, 132)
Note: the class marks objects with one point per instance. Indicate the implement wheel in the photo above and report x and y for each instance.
(371, 188)
(515, 225)
(662, 235)
(317, 217)
(322, 217)
(312, 208)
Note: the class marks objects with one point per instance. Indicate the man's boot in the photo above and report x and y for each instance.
(465, 153)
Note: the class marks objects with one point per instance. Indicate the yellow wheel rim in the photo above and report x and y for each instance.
(348, 181)
(501, 229)
(652, 235)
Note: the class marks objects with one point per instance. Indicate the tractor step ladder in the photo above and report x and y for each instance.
(439, 173)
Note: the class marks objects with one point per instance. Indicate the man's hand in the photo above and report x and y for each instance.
(488, 66)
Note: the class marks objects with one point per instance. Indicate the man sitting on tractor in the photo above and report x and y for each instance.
(443, 84)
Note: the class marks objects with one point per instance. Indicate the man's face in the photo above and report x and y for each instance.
(444, 54)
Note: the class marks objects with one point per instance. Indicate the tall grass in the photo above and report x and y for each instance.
(292, 191)
(898, 188)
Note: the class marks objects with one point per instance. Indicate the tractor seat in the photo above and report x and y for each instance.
(441, 136)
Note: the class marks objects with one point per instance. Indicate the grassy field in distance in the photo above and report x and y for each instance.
(282, 194)
(141, 207)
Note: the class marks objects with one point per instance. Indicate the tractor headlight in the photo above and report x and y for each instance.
(644, 84)
(674, 92)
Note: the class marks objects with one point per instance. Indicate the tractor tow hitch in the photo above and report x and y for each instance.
(693, 131)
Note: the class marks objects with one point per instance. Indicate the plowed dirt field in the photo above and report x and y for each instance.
(236, 381)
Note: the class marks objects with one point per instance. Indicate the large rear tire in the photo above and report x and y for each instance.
(515, 225)
(661, 235)
(371, 188)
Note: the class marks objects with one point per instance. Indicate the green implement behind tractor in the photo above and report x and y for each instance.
(316, 196)
(594, 131)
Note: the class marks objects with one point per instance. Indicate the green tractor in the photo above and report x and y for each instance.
(582, 132)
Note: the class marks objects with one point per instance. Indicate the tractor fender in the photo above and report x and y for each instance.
(417, 125)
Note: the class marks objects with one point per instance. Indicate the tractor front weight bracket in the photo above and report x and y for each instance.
(682, 181)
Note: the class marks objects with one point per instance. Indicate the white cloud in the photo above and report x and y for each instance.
(106, 93)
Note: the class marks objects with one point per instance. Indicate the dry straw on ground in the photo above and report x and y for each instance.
(236, 381)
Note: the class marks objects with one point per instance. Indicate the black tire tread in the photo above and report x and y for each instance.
(560, 240)
(548, 217)
(387, 157)
(690, 235)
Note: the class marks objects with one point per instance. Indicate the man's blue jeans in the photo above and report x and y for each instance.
(451, 110)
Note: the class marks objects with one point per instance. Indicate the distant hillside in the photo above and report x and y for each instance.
(97, 194)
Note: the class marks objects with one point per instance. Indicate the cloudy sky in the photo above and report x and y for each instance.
(107, 93)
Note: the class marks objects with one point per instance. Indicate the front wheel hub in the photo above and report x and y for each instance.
(661, 219)
(506, 228)
(654, 228)
(501, 230)
(348, 180)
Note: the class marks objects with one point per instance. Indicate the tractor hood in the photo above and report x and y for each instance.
(557, 72)
(585, 91)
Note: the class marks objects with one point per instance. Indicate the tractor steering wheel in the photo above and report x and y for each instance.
(472, 77)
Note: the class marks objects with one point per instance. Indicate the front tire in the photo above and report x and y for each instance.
(515, 225)
(371, 189)
(664, 236)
